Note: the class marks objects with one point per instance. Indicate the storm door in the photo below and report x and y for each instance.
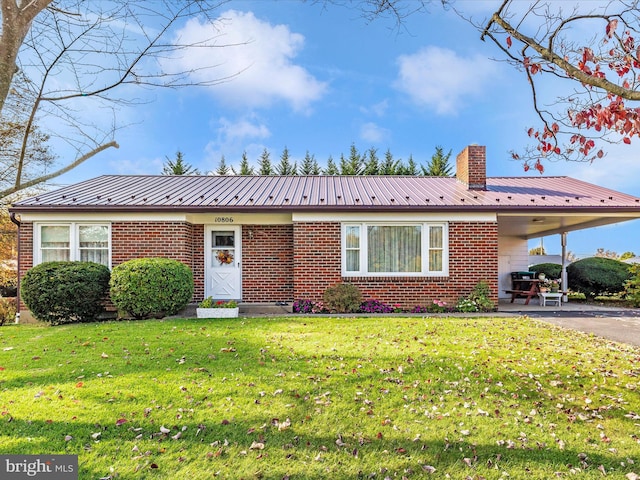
(222, 260)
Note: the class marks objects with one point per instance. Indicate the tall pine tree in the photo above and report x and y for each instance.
(331, 168)
(178, 166)
(439, 164)
(285, 167)
(264, 164)
(309, 165)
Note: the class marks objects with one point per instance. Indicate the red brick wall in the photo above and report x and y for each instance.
(316, 252)
(25, 247)
(197, 265)
(269, 253)
(267, 263)
(473, 256)
(151, 239)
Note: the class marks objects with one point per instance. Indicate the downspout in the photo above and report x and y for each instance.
(564, 285)
(14, 218)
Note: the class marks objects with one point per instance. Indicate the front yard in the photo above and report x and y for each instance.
(317, 398)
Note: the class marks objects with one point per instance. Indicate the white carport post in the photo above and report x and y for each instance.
(563, 284)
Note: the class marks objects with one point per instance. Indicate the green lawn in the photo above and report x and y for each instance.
(318, 398)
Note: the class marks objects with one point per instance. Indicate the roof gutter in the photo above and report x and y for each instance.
(14, 218)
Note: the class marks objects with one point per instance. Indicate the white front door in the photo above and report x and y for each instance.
(222, 260)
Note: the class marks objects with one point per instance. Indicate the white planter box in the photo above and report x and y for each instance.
(217, 312)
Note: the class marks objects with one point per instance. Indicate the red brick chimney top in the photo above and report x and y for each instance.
(471, 167)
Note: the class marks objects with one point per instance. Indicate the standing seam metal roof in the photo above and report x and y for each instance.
(203, 193)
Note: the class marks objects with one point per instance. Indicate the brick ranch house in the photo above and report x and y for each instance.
(267, 239)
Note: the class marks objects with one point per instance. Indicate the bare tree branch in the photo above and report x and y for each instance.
(57, 173)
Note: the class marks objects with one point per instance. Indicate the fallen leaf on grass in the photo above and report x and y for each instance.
(121, 421)
(256, 446)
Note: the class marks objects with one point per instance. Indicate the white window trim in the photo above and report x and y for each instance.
(74, 228)
(425, 250)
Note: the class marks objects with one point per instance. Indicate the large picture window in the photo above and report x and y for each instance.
(73, 241)
(377, 249)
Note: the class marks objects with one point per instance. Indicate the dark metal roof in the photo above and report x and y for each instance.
(324, 193)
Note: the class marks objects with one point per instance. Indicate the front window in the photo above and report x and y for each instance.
(84, 242)
(375, 249)
(55, 243)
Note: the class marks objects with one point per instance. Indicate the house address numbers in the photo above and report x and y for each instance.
(223, 219)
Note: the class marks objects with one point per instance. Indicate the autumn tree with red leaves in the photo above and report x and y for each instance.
(604, 74)
(593, 46)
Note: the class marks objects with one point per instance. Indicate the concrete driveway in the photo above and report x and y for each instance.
(618, 324)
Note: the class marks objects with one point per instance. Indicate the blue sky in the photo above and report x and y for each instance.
(320, 78)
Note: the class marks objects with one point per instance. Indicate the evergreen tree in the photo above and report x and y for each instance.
(371, 165)
(264, 164)
(245, 167)
(439, 164)
(390, 165)
(309, 165)
(352, 166)
(222, 169)
(285, 167)
(411, 168)
(331, 168)
(178, 166)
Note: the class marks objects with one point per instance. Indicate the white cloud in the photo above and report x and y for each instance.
(256, 57)
(241, 129)
(378, 109)
(370, 132)
(618, 170)
(438, 78)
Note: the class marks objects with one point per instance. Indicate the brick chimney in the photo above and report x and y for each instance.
(471, 167)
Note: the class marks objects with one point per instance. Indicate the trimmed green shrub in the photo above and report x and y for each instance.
(551, 270)
(598, 276)
(479, 300)
(342, 298)
(632, 287)
(65, 292)
(481, 295)
(151, 287)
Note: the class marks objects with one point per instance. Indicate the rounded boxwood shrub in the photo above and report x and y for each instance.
(65, 292)
(598, 276)
(343, 298)
(551, 270)
(151, 287)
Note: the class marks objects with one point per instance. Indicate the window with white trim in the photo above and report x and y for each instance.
(395, 249)
(86, 242)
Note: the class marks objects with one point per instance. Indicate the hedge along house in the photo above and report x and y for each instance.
(264, 239)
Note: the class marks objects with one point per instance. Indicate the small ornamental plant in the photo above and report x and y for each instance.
(438, 306)
(209, 302)
(375, 306)
(308, 306)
